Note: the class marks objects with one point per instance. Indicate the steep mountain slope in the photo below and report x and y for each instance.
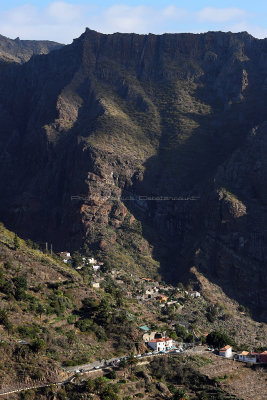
(20, 51)
(51, 317)
(91, 129)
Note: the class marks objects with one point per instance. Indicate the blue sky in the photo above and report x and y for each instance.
(64, 20)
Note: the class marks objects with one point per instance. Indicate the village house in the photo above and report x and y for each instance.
(151, 292)
(66, 257)
(96, 267)
(96, 285)
(194, 295)
(243, 356)
(92, 260)
(226, 352)
(64, 254)
(253, 358)
(161, 344)
(162, 298)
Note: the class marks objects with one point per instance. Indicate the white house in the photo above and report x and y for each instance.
(195, 294)
(66, 257)
(92, 260)
(151, 290)
(96, 285)
(96, 267)
(160, 344)
(64, 254)
(226, 352)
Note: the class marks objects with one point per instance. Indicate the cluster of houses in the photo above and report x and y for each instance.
(86, 261)
(153, 290)
(89, 261)
(146, 289)
(244, 356)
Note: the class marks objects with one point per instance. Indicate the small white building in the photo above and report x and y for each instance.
(66, 257)
(96, 285)
(64, 254)
(96, 267)
(195, 294)
(226, 352)
(161, 344)
(92, 260)
(151, 290)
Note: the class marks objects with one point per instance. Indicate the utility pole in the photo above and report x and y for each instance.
(46, 247)
(51, 249)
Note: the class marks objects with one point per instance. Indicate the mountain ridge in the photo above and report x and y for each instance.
(115, 116)
(20, 51)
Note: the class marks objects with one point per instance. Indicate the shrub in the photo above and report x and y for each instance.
(71, 319)
(28, 331)
(218, 339)
(16, 242)
(112, 375)
(37, 345)
(5, 321)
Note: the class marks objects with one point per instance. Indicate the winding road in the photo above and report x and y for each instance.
(98, 366)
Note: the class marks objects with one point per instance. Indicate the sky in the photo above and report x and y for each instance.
(62, 21)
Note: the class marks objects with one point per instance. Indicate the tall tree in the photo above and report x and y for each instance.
(16, 242)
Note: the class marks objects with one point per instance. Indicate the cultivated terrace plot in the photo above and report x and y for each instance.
(240, 379)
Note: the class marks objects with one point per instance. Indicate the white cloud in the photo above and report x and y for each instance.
(62, 21)
(140, 19)
(125, 18)
(20, 15)
(172, 12)
(65, 12)
(210, 14)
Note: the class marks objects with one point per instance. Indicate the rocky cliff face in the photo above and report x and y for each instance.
(20, 51)
(94, 133)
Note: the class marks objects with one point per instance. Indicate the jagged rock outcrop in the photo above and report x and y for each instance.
(91, 134)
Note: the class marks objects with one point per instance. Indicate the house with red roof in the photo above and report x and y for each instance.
(257, 357)
(253, 358)
(226, 352)
(160, 344)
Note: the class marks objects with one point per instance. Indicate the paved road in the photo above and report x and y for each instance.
(105, 363)
(100, 365)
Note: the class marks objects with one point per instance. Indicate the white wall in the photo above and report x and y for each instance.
(227, 353)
